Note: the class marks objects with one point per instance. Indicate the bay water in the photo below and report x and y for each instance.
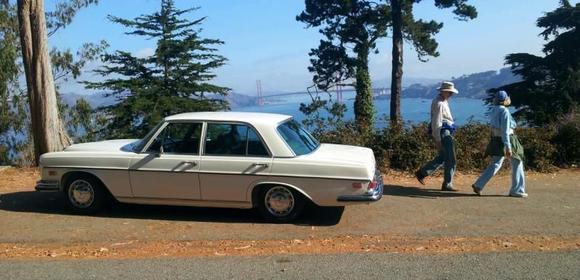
(413, 110)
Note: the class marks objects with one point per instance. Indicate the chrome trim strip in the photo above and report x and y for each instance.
(186, 202)
(220, 173)
(47, 186)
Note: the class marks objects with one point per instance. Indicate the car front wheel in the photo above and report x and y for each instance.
(280, 204)
(84, 194)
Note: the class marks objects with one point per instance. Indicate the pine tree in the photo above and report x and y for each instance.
(175, 79)
(351, 29)
(551, 84)
(420, 34)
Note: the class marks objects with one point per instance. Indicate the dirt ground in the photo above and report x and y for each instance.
(409, 219)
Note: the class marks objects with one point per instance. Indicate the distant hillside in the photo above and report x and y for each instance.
(469, 86)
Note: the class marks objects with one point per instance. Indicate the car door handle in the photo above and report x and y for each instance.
(191, 163)
(265, 165)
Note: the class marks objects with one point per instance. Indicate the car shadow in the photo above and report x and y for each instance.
(53, 203)
(415, 192)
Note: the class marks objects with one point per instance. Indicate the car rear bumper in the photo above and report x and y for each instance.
(47, 186)
(376, 195)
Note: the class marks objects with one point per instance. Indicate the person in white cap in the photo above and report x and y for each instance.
(504, 143)
(441, 129)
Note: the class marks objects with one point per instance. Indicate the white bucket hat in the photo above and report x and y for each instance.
(448, 86)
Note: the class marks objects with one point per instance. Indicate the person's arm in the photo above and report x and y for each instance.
(505, 128)
(436, 121)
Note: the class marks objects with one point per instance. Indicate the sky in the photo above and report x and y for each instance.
(263, 41)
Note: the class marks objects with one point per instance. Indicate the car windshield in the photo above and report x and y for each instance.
(297, 138)
(139, 145)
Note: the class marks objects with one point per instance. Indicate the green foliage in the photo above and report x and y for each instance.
(404, 148)
(64, 12)
(15, 139)
(551, 83)
(66, 65)
(409, 147)
(567, 140)
(10, 101)
(540, 152)
(421, 33)
(322, 115)
(84, 122)
(175, 79)
(471, 141)
(346, 25)
(364, 109)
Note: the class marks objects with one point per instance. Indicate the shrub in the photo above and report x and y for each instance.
(471, 141)
(540, 153)
(408, 147)
(404, 148)
(567, 141)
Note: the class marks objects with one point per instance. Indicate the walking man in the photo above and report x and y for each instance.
(442, 129)
(504, 143)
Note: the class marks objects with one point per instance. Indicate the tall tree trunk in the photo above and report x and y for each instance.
(363, 103)
(397, 70)
(47, 129)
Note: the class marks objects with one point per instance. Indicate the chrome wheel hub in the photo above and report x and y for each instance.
(279, 201)
(81, 193)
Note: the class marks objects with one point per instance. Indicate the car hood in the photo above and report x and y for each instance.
(125, 145)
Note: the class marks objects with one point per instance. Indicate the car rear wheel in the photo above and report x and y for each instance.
(280, 204)
(84, 194)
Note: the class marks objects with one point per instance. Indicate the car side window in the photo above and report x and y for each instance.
(178, 138)
(255, 145)
(233, 140)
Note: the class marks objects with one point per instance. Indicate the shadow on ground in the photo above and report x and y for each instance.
(395, 190)
(53, 203)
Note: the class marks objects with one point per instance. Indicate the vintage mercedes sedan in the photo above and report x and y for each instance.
(215, 159)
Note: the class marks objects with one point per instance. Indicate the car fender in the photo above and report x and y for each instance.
(260, 183)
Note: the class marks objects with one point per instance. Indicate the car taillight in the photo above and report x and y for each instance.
(372, 185)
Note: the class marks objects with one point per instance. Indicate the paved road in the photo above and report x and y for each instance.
(561, 265)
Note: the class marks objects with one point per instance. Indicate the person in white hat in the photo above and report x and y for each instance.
(504, 143)
(442, 129)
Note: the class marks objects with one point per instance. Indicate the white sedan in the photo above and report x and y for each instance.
(215, 159)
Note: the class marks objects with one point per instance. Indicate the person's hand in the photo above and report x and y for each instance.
(508, 153)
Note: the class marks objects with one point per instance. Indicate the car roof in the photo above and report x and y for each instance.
(249, 117)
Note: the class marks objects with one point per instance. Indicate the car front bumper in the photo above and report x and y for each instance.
(47, 186)
(376, 195)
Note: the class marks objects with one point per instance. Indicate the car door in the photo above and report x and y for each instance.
(234, 157)
(169, 167)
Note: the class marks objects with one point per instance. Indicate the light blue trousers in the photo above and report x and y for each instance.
(518, 178)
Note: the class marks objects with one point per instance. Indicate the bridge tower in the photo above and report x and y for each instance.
(259, 93)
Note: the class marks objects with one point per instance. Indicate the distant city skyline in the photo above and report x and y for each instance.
(263, 41)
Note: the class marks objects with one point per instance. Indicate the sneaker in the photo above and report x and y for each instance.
(420, 177)
(476, 190)
(520, 195)
(448, 188)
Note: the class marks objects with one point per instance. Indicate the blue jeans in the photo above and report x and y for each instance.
(518, 178)
(445, 158)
